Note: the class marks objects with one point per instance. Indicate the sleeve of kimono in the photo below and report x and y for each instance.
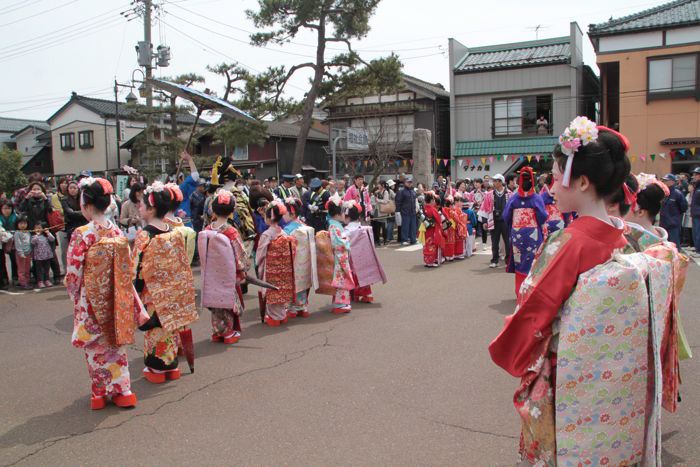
(540, 210)
(508, 211)
(261, 253)
(241, 257)
(140, 244)
(75, 260)
(555, 274)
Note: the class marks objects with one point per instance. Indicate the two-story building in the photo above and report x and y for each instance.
(650, 76)
(513, 100)
(34, 142)
(274, 157)
(388, 121)
(84, 134)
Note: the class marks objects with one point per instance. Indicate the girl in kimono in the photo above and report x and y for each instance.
(555, 219)
(352, 214)
(590, 164)
(226, 322)
(172, 219)
(160, 345)
(645, 205)
(275, 313)
(525, 216)
(94, 329)
(449, 228)
(342, 272)
(300, 307)
(461, 234)
(434, 240)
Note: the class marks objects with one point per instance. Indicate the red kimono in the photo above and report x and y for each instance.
(450, 235)
(461, 233)
(434, 241)
(527, 333)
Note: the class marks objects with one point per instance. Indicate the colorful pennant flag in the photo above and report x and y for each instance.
(491, 159)
(483, 161)
(653, 156)
(529, 157)
(643, 157)
(662, 155)
(693, 150)
(538, 157)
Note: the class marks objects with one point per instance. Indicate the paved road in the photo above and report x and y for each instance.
(405, 381)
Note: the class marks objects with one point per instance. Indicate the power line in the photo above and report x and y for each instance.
(18, 6)
(38, 14)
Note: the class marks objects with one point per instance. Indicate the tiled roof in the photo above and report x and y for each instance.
(107, 108)
(291, 130)
(510, 146)
(436, 89)
(676, 13)
(12, 125)
(518, 54)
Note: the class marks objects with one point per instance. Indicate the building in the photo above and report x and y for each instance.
(275, 156)
(84, 134)
(389, 121)
(499, 92)
(34, 142)
(10, 126)
(649, 65)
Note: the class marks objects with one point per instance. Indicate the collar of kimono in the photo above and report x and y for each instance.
(598, 229)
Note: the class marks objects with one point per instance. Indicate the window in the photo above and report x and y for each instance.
(85, 139)
(673, 76)
(67, 141)
(240, 153)
(522, 116)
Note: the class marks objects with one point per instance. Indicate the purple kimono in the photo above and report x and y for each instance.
(525, 215)
(555, 219)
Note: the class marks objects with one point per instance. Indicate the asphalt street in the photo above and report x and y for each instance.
(404, 381)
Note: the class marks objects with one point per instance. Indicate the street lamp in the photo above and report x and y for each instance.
(131, 99)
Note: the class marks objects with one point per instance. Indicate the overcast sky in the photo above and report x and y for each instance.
(53, 47)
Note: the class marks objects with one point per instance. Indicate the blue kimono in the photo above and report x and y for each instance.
(555, 219)
(525, 215)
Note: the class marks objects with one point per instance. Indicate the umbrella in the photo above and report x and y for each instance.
(261, 302)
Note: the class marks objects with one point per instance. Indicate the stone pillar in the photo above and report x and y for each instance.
(422, 168)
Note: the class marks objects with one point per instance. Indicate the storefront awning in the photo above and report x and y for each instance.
(510, 146)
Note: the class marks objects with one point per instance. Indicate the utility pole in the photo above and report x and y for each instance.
(149, 74)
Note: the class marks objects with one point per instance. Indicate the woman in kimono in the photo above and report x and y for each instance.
(352, 215)
(461, 221)
(226, 322)
(164, 282)
(342, 272)
(590, 164)
(525, 216)
(104, 314)
(555, 219)
(449, 228)
(275, 264)
(300, 307)
(434, 240)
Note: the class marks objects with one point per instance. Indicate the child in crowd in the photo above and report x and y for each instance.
(305, 275)
(352, 213)
(42, 253)
(275, 264)
(23, 252)
(448, 225)
(468, 210)
(461, 234)
(434, 240)
(224, 266)
(342, 273)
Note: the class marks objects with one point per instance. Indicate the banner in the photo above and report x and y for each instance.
(122, 181)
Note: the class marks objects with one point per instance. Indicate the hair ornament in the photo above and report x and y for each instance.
(175, 191)
(280, 205)
(347, 205)
(630, 196)
(106, 186)
(86, 182)
(645, 180)
(580, 132)
(335, 199)
(224, 197)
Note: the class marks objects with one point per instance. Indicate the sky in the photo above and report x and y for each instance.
(53, 47)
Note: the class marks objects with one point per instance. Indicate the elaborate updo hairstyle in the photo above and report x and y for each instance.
(275, 211)
(650, 199)
(223, 204)
(429, 197)
(293, 206)
(333, 208)
(603, 161)
(176, 196)
(96, 192)
(158, 197)
(448, 201)
(621, 197)
(353, 212)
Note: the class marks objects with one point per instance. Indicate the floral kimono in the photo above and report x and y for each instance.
(275, 262)
(105, 310)
(305, 272)
(364, 293)
(434, 239)
(555, 219)
(461, 233)
(449, 232)
(164, 281)
(188, 234)
(526, 347)
(342, 272)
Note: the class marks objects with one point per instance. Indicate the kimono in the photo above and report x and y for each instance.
(105, 309)
(673, 340)
(450, 233)
(525, 216)
(224, 266)
(188, 234)
(362, 254)
(539, 345)
(343, 281)
(275, 262)
(555, 219)
(471, 230)
(461, 233)
(164, 281)
(305, 272)
(434, 240)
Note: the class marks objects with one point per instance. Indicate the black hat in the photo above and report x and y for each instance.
(288, 178)
(272, 179)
